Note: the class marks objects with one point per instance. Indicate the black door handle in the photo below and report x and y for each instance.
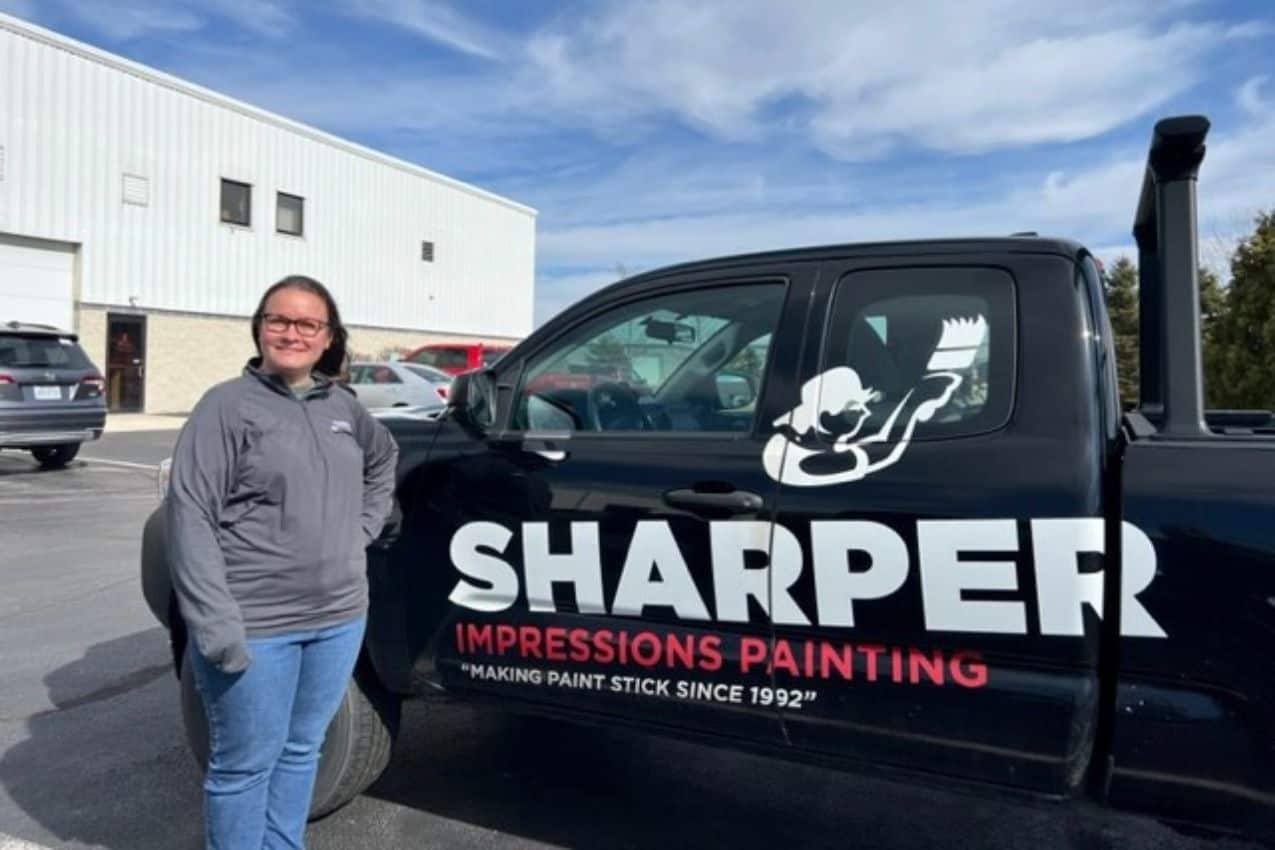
(733, 502)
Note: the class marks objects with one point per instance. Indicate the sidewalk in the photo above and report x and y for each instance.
(119, 423)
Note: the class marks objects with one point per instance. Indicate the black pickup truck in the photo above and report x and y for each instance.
(877, 505)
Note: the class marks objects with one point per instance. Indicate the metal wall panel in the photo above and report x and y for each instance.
(74, 120)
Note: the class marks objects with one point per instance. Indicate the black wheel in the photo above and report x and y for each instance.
(355, 750)
(55, 457)
(357, 747)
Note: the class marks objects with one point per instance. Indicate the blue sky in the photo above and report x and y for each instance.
(664, 130)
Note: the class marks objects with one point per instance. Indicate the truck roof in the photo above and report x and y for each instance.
(1025, 244)
(995, 244)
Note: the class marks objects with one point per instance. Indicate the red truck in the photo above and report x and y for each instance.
(456, 357)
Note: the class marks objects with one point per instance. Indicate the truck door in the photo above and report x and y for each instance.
(941, 470)
(640, 552)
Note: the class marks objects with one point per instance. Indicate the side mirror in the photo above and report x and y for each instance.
(735, 391)
(471, 400)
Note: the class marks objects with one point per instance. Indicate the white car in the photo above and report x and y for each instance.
(396, 385)
(441, 380)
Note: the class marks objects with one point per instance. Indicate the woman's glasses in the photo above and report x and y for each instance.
(278, 324)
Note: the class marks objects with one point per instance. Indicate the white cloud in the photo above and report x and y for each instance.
(953, 77)
(434, 21)
(1093, 203)
(126, 20)
(130, 19)
(860, 80)
(1249, 97)
(855, 84)
(264, 17)
(1045, 90)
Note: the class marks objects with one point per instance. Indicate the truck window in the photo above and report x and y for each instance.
(914, 354)
(689, 361)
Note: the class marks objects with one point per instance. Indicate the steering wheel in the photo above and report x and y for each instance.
(615, 407)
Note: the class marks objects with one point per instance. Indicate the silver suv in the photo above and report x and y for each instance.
(51, 394)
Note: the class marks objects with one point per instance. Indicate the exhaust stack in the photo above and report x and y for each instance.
(1164, 227)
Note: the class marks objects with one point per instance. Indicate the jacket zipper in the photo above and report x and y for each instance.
(323, 457)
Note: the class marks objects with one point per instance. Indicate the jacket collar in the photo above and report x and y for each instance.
(322, 383)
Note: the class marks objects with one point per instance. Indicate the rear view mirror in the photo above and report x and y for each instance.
(669, 332)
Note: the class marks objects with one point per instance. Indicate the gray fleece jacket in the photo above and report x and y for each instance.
(272, 501)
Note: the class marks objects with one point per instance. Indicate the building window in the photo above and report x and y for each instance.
(236, 203)
(290, 214)
(427, 252)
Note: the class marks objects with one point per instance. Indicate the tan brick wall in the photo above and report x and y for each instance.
(91, 326)
(188, 353)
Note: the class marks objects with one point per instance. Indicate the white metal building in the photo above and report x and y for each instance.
(148, 214)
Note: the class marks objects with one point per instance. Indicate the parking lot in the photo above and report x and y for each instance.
(92, 751)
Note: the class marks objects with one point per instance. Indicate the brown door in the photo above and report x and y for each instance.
(125, 363)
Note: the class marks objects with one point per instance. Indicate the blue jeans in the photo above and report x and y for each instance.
(266, 726)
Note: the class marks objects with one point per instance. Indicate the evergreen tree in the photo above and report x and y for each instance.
(747, 362)
(1240, 368)
(1212, 303)
(1212, 308)
(1121, 284)
(607, 351)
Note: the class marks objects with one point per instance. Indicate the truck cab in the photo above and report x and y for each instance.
(892, 554)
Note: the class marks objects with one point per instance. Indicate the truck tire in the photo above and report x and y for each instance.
(355, 750)
(55, 457)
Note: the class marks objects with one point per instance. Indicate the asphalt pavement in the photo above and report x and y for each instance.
(92, 752)
(146, 448)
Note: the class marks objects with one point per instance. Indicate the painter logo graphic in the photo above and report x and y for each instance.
(819, 442)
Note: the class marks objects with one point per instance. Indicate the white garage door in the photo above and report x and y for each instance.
(35, 281)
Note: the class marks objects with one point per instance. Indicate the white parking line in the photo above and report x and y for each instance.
(92, 499)
(150, 467)
(8, 842)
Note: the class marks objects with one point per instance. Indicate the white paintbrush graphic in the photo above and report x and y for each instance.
(958, 344)
(840, 390)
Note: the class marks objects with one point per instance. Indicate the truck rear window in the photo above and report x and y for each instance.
(930, 346)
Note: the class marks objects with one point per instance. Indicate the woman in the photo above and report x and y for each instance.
(279, 482)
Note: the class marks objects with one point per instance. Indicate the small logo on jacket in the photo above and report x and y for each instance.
(340, 426)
